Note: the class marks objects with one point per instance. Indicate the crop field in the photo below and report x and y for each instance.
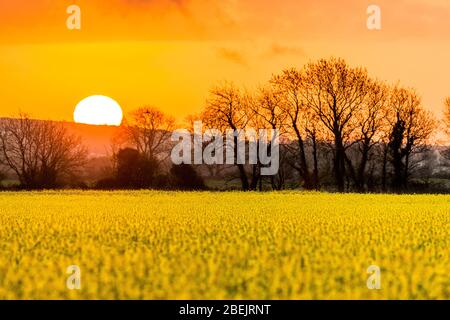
(223, 245)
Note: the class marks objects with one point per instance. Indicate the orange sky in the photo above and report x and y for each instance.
(169, 53)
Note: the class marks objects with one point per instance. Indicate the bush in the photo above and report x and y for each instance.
(134, 170)
(2, 177)
(106, 184)
(185, 177)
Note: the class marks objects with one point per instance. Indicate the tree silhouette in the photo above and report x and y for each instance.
(300, 121)
(336, 92)
(412, 126)
(369, 121)
(134, 170)
(227, 108)
(332, 117)
(41, 153)
(185, 177)
(148, 130)
(447, 116)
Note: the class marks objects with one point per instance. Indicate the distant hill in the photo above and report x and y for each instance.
(97, 139)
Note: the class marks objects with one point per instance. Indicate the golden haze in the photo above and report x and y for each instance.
(169, 53)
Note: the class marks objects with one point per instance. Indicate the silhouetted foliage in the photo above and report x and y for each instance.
(397, 153)
(185, 177)
(412, 126)
(134, 170)
(162, 181)
(334, 119)
(106, 184)
(2, 177)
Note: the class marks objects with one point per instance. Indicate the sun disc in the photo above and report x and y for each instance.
(98, 110)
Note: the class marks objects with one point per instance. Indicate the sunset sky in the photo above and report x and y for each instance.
(169, 53)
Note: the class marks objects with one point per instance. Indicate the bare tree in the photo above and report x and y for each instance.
(334, 119)
(445, 125)
(213, 170)
(40, 153)
(370, 121)
(336, 92)
(268, 114)
(411, 128)
(228, 108)
(149, 130)
(300, 122)
(447, 116)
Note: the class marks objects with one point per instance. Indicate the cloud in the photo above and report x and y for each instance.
(163, 8)
(232, 56)
(161, 2)
(283, 50)
(224, 20)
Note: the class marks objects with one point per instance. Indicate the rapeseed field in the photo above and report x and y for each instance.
(223, 245)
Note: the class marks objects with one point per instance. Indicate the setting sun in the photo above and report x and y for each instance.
(98, 110)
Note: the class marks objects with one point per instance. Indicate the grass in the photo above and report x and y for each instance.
(223, 245)
(9, 183)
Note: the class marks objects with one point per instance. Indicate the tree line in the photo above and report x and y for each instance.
(340, 129)
(368, 133)
(45, 155)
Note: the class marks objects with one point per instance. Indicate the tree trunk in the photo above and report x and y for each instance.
(241, 167)
(316, 181)
(406, 171)
(304, 171)
(339, 163)
(243, 177)
(255, 176)
(361, 178)
(384, 169)
(397, 155)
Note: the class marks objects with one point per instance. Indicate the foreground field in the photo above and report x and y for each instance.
(157, 245)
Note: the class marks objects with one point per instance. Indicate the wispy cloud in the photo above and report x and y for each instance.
(283, 50)
(233, 56)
